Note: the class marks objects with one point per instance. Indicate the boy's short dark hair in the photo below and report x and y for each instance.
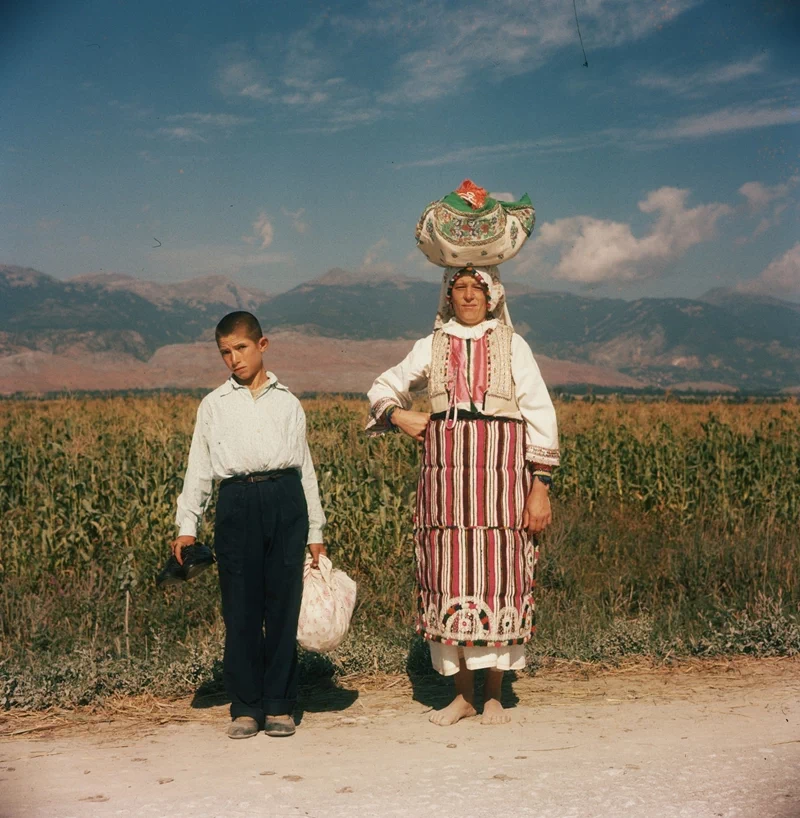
(239, 321)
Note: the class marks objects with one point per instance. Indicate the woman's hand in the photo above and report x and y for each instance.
(412, 423)
(537, 514)
(178, 544)
(317, 549)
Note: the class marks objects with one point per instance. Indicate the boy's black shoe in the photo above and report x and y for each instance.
(279, 726)
(196, 558)
(243, 727)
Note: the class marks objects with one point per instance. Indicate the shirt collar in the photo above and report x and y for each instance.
(452, 327)
(232, 385)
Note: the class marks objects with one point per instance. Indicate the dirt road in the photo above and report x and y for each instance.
(698, 741)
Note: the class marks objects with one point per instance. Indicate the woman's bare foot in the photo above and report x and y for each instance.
(458, 709)
(493, 713)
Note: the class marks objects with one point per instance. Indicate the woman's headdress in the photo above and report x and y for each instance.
(469, 227)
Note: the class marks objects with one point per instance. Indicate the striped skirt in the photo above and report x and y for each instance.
(475, 564)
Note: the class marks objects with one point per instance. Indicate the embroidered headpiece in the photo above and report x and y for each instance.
(469, 227)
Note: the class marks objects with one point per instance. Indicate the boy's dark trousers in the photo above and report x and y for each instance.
(260, 539)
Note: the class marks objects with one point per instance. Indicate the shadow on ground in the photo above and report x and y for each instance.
(318, 692)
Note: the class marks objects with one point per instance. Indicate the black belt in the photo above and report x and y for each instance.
(467, 415)
(258, 476)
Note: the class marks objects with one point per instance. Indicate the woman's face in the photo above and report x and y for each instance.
(469, 301)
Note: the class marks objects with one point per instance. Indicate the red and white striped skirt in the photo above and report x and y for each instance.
(475, 563)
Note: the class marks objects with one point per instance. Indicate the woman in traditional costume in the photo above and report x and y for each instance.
(490, 443)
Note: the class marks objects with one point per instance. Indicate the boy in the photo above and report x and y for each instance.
(250, 433)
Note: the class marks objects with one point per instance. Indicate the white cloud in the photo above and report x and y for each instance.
(770, 199)
(302, 73)
(303, 83)
(590, 250)
(197, 127)
(783, 274)
(731, 119)
(298, 222)
(262, 227)
(469, 155)
(503, 197)
(213, 120)
(759, 195)
(344, 119)
(181, 134)
(504, 38)
(244, 78)
(300, 98)
(373, 263)
(722, 121)
(705, 81)
(46, 225)
(222, 259)
(781, 278)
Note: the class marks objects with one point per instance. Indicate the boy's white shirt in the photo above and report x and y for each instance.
(238, 433)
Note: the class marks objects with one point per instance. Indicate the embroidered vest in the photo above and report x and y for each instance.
(500, 396)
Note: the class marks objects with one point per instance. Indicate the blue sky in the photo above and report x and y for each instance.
(271, 141)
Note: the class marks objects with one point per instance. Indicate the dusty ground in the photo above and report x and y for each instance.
(696, 740)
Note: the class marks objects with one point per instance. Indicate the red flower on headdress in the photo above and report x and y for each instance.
(472, 194)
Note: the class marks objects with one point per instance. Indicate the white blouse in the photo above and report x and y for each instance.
(394, 387)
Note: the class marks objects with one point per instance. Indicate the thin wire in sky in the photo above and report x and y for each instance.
(578, 26)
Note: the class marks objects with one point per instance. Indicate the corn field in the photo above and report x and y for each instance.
(665, 512)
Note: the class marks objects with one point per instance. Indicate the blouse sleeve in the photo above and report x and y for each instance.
(535, 406)
(395, 385)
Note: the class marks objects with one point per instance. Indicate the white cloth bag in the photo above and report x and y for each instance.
(329, 597)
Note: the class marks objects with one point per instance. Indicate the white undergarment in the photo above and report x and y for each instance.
(445, 658)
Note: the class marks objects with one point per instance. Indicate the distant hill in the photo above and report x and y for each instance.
(111, 312)
(724, 340)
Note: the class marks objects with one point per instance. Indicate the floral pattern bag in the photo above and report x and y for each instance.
(329, 597)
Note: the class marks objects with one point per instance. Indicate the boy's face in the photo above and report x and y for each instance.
(242, 355)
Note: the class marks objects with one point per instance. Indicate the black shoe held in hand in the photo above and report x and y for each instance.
(196, 558)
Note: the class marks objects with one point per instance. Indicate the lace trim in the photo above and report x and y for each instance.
(542, 456)
(501, 383)
(381, 405)
(376, 423)
(440, 354)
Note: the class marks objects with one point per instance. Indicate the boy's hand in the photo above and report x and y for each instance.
(178, 544)
(316, 549)
(412, 423)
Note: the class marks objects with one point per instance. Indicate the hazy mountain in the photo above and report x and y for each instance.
(110, 312)
(662, 341)
(207, 290)
(738, 300)
(725, 339)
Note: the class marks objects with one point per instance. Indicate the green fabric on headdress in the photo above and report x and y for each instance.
(457, 203)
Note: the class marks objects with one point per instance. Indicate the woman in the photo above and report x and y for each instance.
(490, 444)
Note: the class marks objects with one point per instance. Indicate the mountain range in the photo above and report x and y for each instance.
(103, 331)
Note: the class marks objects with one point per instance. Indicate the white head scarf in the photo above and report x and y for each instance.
(497, 295)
